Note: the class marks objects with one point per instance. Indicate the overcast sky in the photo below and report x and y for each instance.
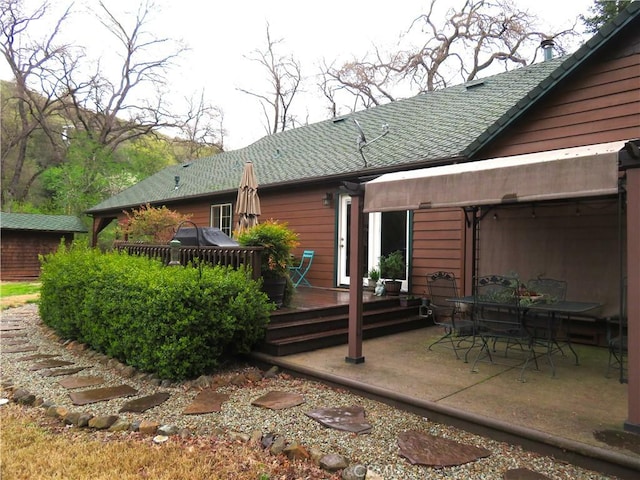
(222, 34)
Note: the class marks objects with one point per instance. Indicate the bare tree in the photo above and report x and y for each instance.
(469, 39)
(285, 77)
(57, 94)
(202, 129)
(102, 106)
(33, 98)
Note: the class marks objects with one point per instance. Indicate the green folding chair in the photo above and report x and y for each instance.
(298, 273)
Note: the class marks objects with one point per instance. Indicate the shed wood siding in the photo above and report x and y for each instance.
(19, 252)
(437, 245)
(600, 106)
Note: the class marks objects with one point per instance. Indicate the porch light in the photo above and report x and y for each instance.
(326, 200)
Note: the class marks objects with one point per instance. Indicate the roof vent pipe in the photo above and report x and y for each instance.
(547, 47)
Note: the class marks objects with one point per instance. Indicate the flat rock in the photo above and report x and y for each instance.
(61, 371)
(101, 394)
(278, 400)
(37, 356)
(424, 449)
(11, 327)
(20, 349)
(206, 401)
(143, 404)
(13, 341)
(49, 364)
(523, 474)
(14, 334)
(79, 382)
(349, 419)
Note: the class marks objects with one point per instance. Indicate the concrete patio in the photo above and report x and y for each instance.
(557, 415)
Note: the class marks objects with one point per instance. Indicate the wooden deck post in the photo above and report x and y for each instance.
(356, 265)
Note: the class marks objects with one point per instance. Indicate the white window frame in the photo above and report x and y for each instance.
(224, 212)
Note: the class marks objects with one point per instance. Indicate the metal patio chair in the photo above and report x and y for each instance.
(498, 318)
(298, 273)
(442, 287)
(552, 291)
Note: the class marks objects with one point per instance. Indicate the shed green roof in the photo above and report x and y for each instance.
(43, 223)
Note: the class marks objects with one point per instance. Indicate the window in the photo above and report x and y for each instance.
(221, 217)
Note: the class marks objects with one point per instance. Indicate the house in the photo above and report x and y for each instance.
(320, 178)
(26, 236)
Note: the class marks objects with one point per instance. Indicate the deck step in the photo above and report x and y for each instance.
(339, 336)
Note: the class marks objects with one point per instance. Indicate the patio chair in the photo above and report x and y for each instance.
(552, 291)
(441, 287)
(617, 340)
(298, 273)
(498, 317)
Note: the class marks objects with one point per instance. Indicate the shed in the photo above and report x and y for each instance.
(24, 236)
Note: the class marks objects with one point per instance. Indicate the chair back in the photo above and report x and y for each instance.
(552, 289)
(442, 286)
(497, 305)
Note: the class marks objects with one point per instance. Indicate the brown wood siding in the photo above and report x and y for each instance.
(437, 245)
(302, 210)
(314, 223)
(19, 252)
(600, 105)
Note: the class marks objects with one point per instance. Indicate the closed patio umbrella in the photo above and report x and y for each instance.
(248, 203)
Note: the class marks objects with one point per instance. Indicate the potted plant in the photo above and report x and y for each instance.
(374, 276)
(278, 242)
(392, 268)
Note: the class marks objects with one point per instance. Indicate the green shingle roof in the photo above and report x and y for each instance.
(45, 223)
(428, 128)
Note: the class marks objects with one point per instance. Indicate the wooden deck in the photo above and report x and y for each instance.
(319, 318)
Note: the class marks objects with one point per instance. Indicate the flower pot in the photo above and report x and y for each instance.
(392, 287)
(274, 287)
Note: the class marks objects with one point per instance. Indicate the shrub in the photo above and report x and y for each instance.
(178, 322)
(151, 224)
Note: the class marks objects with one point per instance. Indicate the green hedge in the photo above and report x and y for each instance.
(178, 322)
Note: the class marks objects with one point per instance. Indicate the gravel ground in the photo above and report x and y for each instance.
(377, 450)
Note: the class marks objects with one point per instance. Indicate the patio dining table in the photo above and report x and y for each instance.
(552, 314)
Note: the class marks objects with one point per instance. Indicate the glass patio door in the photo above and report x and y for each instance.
(384, 233)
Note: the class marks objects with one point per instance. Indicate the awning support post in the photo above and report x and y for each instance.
(356, 267)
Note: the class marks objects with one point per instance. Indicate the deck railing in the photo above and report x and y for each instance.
(234, 256)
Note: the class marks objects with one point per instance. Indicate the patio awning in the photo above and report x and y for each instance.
(568, 173)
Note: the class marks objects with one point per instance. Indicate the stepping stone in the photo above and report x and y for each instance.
(61, 371)
(10, 328)
(101, 394)
(77, 382)
(424, 449)
(15, 334)
(206, 401)
(143, 404)
(278, 400)
(349, 419)
(523, 474)
(49, 364)
(37, 356)
(20, 349)
(13, 341)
